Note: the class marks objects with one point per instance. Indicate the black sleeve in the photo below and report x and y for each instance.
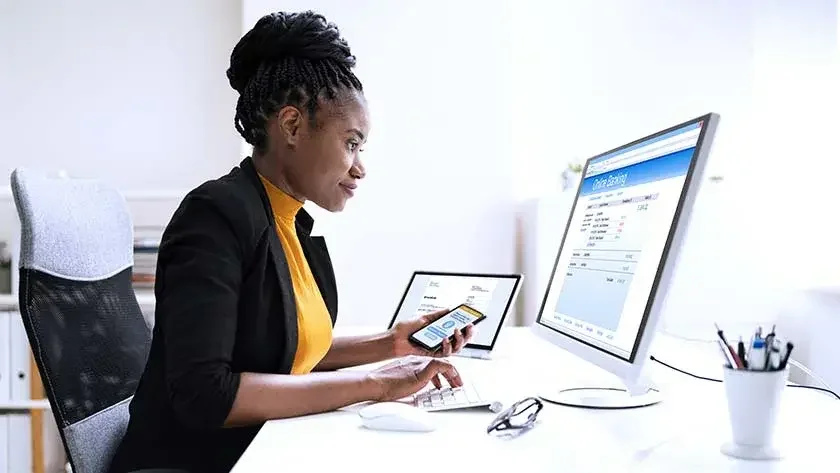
(200, 270)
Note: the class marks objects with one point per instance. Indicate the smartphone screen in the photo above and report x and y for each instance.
(431, 336)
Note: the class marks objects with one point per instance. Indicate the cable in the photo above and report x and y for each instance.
(695, 376)
(714, 380)
(809, 372)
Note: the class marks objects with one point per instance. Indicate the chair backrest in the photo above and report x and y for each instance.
(87, 332)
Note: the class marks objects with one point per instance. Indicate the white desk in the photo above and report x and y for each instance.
(683, 433)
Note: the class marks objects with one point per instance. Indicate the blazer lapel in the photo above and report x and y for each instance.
(284, 277)
(315, 251)
(281, 266)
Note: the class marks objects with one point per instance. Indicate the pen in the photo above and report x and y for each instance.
(771, 337)
(732, 357)
(738, 363)
(742, 353)
(720, 335)
(784, 362)
(727, 353)
(756, 355)
(775, 355)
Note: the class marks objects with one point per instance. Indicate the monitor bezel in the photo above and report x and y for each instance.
(517, 277)
(628, 367)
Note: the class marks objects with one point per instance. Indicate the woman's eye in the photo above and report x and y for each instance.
(352, 146)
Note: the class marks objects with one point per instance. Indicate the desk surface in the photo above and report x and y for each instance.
(683, 433)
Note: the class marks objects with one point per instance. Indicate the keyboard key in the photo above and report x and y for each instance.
(448, 397)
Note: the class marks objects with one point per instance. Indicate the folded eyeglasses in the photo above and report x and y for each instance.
(520, 415)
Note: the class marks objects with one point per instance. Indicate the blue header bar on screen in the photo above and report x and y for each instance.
(649, 142)
(663, 167)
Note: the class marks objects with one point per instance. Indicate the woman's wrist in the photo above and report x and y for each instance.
(379, 347)
(373, 388)
(390, 344)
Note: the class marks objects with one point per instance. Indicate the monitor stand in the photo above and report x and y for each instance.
(603, 398)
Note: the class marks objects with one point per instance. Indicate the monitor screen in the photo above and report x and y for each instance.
(612, 252)
(490, 294)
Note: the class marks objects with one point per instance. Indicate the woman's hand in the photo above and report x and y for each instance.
(402, 330)
(409, 375)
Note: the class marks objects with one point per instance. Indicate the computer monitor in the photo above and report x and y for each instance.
(616, 258)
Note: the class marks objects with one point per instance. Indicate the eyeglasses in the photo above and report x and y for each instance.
(520, 415)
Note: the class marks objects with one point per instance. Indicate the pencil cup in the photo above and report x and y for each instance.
(753, 399)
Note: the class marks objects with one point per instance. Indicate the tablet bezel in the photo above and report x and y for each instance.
(517, 277)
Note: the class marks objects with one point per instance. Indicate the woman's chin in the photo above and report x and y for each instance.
(334, 204)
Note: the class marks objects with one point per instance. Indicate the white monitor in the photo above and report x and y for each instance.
(617, 255)
(491, 294)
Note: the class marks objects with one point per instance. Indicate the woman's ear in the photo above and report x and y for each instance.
(289, 121)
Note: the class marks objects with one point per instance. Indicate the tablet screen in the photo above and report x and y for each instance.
(491, 294)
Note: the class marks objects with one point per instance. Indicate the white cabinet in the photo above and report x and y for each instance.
(21, 416)
(15, 396)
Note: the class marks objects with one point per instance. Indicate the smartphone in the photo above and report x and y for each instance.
(431, 336)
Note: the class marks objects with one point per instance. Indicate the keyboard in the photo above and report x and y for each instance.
(447, 398)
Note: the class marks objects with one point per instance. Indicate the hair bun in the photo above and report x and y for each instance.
(278, 36)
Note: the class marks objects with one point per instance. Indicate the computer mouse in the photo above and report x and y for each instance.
(396, 416)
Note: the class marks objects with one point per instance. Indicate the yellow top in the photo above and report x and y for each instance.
(314, 322)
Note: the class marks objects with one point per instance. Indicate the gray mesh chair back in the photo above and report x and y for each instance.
(87, 333)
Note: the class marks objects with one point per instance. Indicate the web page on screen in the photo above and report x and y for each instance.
(618, 230)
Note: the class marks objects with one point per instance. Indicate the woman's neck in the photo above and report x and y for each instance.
(268, 168)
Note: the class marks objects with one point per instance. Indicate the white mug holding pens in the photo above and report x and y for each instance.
(754, 377)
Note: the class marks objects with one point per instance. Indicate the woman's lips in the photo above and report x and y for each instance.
(350, 189)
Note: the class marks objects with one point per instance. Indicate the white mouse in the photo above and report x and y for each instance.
(396, 416)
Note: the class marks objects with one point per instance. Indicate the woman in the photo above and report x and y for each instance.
(246, 298)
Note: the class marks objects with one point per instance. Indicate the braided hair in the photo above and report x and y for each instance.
(287, 59)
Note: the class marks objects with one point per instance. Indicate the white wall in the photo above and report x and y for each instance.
(438, 193)
(135, 95)
(595, 75)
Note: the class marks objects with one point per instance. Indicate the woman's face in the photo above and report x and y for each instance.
(321, 162)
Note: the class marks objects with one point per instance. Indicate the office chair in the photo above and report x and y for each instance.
(87, 333)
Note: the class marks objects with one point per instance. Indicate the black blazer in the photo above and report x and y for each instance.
(224, 305)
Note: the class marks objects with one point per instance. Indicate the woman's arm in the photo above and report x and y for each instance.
(197, 289)
(262, 397)
(358, 350)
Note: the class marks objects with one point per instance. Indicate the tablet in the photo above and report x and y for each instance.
(491, 294)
